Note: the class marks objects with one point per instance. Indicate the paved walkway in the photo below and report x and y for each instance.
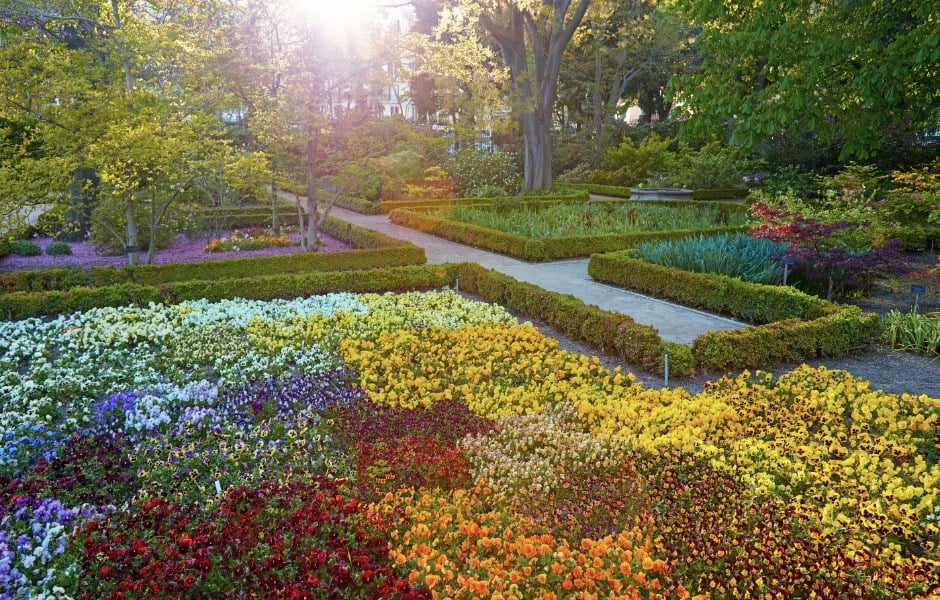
(675, 323)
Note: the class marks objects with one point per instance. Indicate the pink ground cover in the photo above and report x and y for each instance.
(179, 251)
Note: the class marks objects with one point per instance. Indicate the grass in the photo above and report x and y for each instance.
(563, 220)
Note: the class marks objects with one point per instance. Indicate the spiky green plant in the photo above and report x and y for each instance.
(740, 255)
(913, 332)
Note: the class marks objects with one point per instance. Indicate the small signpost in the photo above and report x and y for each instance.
(918, 291)
(786, 261)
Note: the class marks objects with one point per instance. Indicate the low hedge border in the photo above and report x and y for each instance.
(751, 302)
(359, 205)
(719, 194)
(700, 195)
(21, 305)
(388, 206)
(794, 326)
(789, 340)
(374, 250)
(532, 249)
(615, 191)
(609, 332)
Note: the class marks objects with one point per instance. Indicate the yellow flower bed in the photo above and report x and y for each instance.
(816, 438)
(494, 369)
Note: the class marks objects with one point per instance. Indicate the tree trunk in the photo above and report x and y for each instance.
(313, 215)
(132, 246)
(275, 212)
(81, 198)
(538, 152)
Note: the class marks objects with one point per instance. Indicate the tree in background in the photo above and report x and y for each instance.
(623, 51)
(532, 37)
(863, 74)
(108, 90)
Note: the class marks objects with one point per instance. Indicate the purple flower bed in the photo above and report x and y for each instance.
(181, 250)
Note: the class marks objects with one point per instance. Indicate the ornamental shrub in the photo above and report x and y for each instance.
(740, 255)
(4, 247)
(59, 249)
(24, 248)
(472, 170)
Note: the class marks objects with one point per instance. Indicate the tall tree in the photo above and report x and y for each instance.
(300, 83)
(101, 75)
(852, 72)
(532, 36)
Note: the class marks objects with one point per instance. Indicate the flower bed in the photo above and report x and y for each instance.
(181, 250)
(423, 445)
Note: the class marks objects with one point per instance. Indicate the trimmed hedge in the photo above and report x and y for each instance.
(359, 205)
(790, 340)
(751, 302)
(21, 305)
(702, 195)
(615, 191)
(719, 194)
(375, 250)
(532, 249)
(796, 326)
(607, 331)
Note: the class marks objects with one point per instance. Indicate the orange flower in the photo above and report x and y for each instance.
(431, 580)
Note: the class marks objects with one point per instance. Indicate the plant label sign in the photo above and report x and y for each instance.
(787, 260)
(918, 289)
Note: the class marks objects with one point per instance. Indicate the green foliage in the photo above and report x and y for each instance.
(860, 75)
(712, 167)
(58, 249)
(660, 162)
(630, 164)
(489, 191)
(472, 170)
(24, 248)
(542, 221)
(742, 256)
(903, 205)
(4, 246)
(913, 332)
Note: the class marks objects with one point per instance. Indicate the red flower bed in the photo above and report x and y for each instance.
(300, 540)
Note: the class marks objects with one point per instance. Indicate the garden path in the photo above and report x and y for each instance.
(675, 323)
